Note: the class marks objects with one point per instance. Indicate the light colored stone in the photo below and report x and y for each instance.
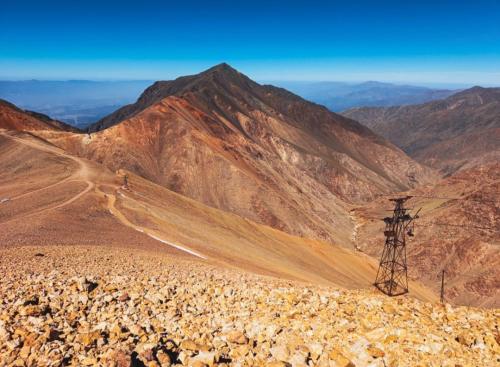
(237, 337)
(339, 359)
(189, 345)
(280, 352)
(203, 314)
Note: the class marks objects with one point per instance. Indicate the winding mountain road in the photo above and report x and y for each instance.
(83, 174)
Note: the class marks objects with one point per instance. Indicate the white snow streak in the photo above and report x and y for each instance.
(177, 246)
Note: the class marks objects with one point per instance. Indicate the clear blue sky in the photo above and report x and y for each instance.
(403, 41)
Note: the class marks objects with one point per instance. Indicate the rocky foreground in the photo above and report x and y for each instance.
(120, 307)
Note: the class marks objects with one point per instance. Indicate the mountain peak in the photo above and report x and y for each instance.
(218, 77)
(222, 67)
(224, 70)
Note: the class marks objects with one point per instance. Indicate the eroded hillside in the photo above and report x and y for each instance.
(458, 230)
(256, 151)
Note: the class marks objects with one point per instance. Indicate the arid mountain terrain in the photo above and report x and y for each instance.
(458, 230)
(214, 223)
(51, 197)
(256, 151)
(108, 306)
(458, 132)
(98, 273)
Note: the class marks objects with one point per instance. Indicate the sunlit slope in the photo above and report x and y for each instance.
(256, 151)
(48, 197)
(231, 240)
(75, 201)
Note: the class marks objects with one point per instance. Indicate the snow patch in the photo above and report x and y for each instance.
(177, 246)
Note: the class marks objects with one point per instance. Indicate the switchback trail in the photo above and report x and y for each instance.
(81, 175)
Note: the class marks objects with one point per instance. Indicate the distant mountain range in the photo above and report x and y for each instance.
(458, 132)
(77, 102)
(339, 96)
(83, 102)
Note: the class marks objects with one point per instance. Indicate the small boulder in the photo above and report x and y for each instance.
(376, 352)
(237, 337)
(188, 344)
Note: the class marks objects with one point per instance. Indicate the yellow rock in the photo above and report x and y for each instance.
(21, 332)
(89, 338)
(278, 364)
(240, 351)
(188, 344)
(389, 308)
(237, 337)
(89, 361)
(390, 339)
(164, 359)
(465, 339)
(376, 352)
(340, 359)
(30, 310)
(492, 343)
(25, 352)
(30, 339)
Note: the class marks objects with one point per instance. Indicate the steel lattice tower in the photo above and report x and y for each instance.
(392, 275)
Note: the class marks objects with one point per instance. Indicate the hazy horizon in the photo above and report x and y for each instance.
(435, 85)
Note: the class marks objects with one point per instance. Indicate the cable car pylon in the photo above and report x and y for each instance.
(392, 274)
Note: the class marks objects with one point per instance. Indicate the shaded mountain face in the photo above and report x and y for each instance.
(459, 132)
(257, 151)
(14, 118)
(339, 96)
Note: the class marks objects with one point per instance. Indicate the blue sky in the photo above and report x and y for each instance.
(399, 41)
